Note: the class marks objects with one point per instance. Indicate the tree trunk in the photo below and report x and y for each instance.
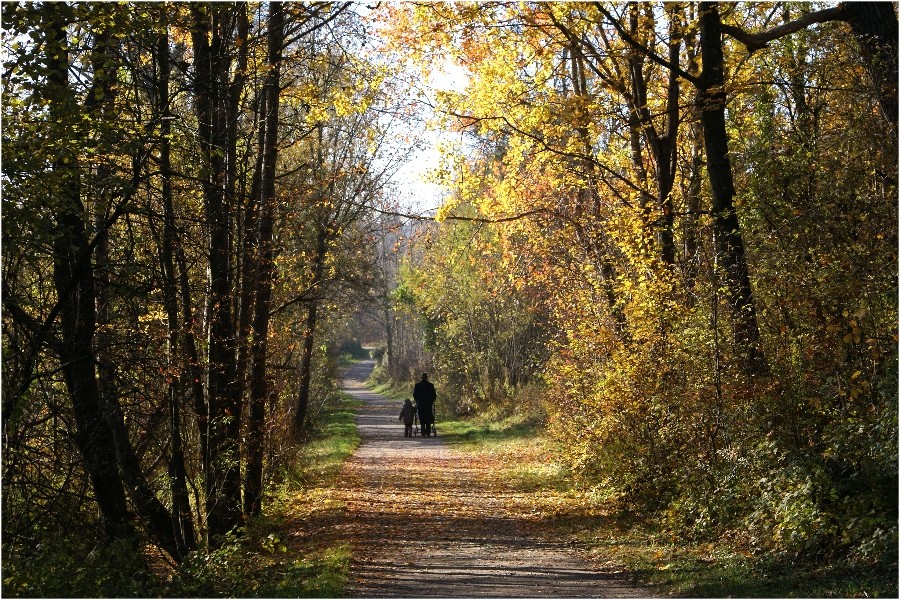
(247, 278)
(222, 479)
(662, 145)
(265, 269)
(309, 334)
(667, 144)
(729, 243)
(181, 507)
(875, 26)
(692, 192)
(389, 340)
(73, 277)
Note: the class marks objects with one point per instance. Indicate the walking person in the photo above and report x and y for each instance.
(424, 395)
(407, 415)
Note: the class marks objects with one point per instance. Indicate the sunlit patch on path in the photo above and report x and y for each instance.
(426, 521)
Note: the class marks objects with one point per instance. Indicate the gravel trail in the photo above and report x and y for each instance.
(423, 522)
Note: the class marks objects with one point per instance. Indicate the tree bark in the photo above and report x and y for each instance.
(181, 507)
(223, 411)
(247, 229)
(661, 144)
(266, 268)
(73, 277)
(309, 334)
(729, 243)
(389, 339)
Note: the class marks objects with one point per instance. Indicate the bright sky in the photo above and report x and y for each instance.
(412, 180)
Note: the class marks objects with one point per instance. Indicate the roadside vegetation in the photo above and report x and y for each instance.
(288, 552)
(614, 535)
(285, 552)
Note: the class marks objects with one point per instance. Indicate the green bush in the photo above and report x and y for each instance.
(256, 564)
(67, 567)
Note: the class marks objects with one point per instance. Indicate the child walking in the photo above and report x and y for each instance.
(407, 415)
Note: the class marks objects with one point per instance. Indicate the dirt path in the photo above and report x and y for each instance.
(423, 523)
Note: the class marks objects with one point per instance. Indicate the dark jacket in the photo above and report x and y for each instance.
(424, 396)
(408, 413)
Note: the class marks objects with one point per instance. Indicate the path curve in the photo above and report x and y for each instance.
(422, 527)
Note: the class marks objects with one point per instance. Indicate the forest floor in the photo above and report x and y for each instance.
(425, 520)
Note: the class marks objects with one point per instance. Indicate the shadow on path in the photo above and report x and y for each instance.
(423, 523)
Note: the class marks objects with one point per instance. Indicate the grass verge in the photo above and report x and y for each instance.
(619, 541)
(397, 391)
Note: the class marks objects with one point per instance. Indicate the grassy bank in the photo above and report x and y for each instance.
(398, 391)
(671, 567)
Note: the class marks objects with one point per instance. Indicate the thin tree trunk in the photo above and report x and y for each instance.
(309, 334)
(667, 143)
(248, 249)
(662, 145)
(222, 479)
(181, 506)
(266, 268)
(389, 340)
(693, 191)
(589, 192)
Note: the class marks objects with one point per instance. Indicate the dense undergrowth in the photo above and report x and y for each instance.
(258, 560)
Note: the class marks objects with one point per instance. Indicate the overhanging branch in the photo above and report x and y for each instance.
(760, 40)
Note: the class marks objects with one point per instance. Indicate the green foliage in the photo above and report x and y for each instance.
(65, 567)
(516, 435)
(484, 432)
(254, 564)
(332, 439)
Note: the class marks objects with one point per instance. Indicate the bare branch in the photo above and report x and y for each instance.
(758, 41)
(626, 37)
(420, 217)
